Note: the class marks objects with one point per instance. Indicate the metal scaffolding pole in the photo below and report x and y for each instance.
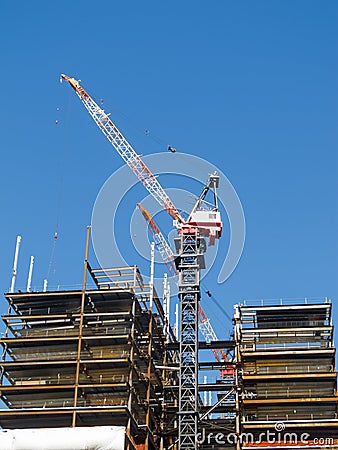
(30, 274)
(15, 264)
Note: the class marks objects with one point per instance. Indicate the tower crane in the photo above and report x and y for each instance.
(190, 246)
(168, 257)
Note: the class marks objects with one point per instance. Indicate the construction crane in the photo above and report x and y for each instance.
(202, 222)
(168, 257)
(190, 245)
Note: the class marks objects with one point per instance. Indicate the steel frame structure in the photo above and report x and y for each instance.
(289, 375)
(190, 252)
(89, 357)
(99, 357)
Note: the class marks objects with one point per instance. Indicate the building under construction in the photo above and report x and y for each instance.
(288, 379)
(99, 357)
(100, 368)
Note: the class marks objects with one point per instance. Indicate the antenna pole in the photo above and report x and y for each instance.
(165, 300)
(168, 310)
(152, 264)
(30, 274)
(176, 321)
(15, 264)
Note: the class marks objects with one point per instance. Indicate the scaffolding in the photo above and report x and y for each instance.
(98, 357)
(89, 358)
(288, 380)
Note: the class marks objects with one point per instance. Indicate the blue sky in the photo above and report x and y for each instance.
(250, 86)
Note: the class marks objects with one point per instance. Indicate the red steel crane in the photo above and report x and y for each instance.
(203, 222)
(125, 150)
(168, 257)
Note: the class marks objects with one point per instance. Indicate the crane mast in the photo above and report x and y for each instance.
(168, 257)
(190, 259)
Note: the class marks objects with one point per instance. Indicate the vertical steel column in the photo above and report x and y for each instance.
(188, 246)
(79, 344)
(148, 395)
(238, 380)
(131, 371)
(15, 264)
(30, 274)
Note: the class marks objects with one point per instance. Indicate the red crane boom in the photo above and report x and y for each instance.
(125, 150)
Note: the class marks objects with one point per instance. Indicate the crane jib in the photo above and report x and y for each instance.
(125, 150)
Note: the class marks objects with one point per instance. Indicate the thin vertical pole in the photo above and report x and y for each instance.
(168, 310)
(30, 274)
(150, 343)
(85, 268)
(165, 284)
(131, 366)
(15, 263)
(82, 307)
(45, 284)
(165, 300)
(152, 265)
(150, 360)
(176, 322)
(238, 357)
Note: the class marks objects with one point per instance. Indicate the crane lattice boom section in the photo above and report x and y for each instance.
(209, 334)
(161, 243)
(125, 150)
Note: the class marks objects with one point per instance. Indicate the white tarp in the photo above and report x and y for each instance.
(81, 438)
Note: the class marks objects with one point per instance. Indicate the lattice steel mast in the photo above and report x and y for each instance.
(168, 257)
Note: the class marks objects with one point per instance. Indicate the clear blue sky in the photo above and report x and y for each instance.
(250, 86)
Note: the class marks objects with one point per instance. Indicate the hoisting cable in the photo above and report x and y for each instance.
(52, 260)
(139, 128)
(217, 303)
